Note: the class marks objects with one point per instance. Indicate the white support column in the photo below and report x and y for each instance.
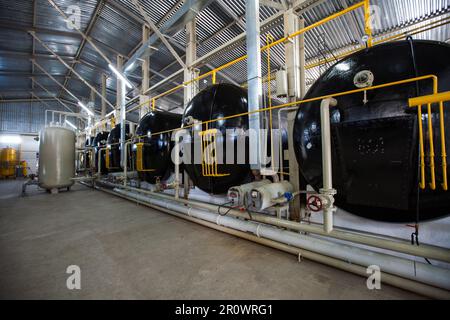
(254, 80)
(104, 95)
(191, 55)
(295, 92)
(291, 24)
(302, 58)
(145, 99)
(190, 73)
(121, 109)
(91, 106)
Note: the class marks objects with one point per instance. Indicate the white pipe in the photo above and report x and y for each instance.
(327, 188)
(377, 241)
(177, 163)
(280, 127)
(417, 271)
(125, 164)
(402, 283)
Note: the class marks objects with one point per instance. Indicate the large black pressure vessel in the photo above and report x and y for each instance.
(375, 139)
(114, 148)
(218, 101)
(154, 145)
(100, 143)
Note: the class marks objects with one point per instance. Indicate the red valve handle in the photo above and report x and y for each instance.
(314, 203)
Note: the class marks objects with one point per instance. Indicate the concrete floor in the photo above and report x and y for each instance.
(126, 251)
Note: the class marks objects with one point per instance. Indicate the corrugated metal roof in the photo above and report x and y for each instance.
(118, 29)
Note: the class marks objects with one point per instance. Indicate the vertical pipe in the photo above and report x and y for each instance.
(254, 80)
(302, 58)
(104, 96)
(327, 188)
(192, 88)
(121, 106)
(145, 75)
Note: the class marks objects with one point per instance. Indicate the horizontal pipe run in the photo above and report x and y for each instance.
(398, 245)
(429, 99)
(417, 271)
(396, 281)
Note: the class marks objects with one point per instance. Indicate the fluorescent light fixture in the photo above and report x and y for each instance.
(130, 67)
(120, 76)
(110, 114)
(85, 108)
(71, 124)
(11, 139)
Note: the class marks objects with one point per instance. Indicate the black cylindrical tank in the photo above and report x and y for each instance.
(114, 148)
(214, 102)
(375, 142)
(155, 150)
(99, 143)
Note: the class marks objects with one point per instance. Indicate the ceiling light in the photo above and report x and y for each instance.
(71, 124)
(85, 108)
(120, 76)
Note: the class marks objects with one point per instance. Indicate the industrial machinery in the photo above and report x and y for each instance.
(213, 174)
(8, 162)
(114, 148)
(375, 134)
(153, 150)
(56, 158)
(269, 195)
(238, 195)
(99, 143)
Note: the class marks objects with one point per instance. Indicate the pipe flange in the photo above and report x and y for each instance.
(364, 79)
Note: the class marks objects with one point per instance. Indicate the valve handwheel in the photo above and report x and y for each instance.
(314, 203)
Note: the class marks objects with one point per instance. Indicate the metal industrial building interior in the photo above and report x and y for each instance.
(225, 149)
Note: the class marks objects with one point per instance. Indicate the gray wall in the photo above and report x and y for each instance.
(25, 117)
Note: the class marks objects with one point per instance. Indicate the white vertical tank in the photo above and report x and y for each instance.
(56, 158)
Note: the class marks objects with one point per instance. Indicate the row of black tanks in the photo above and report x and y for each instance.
(374, 135)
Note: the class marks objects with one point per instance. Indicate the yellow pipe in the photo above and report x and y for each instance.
(214, 78)
(299, 102)
(432, 98)
(367, 22)
(443, 146)
(422, 152)
(430, 136)
(354, 7)
(266, 47)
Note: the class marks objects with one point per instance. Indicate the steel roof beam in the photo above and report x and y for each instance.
(56, 81)
(158, 33)
(46, 90)
(71, 69)
(272, 4)
(187, 12)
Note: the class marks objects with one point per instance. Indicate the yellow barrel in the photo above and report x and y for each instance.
(24, 167)
(8, 162)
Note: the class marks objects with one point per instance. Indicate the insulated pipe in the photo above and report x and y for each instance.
(402, 283)
(327, 188)
(417, 271)
(254, 80)
(125, 164)
(177, 163)
(394, 244)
